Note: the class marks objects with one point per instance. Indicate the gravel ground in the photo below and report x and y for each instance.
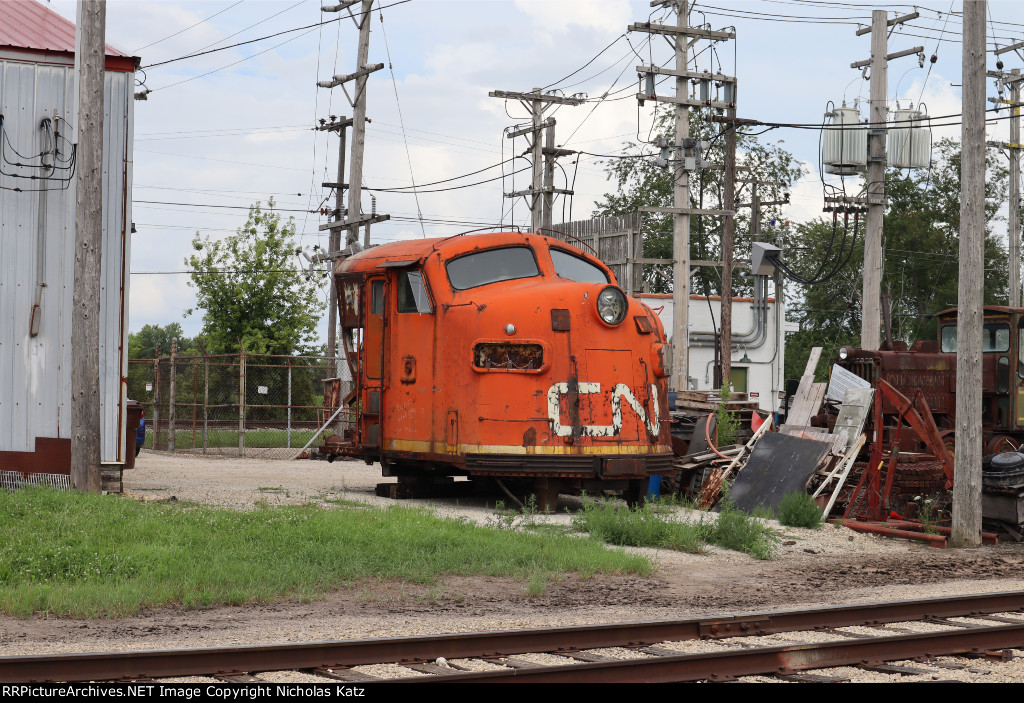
(828, 566)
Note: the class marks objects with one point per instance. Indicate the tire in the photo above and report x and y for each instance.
(137, 450)
(1007, 461)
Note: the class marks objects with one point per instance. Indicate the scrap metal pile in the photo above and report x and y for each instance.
(872, 457)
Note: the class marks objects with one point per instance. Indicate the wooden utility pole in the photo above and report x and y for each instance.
(728, 235)
(875, 190)
(967, 461)
(541, 191)
(682, 36)
(1013, 80)
(680, 219)
(337, 216)
(551, 153)
(90, 59)
(355, 218)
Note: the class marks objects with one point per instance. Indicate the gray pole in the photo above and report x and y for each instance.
(872, 290)
(728, 233)
(536, 216)
(549, 175)
(967, 470)
(241, 402)
(1014, 224)
(335, 244)
(355, 178)
(156, 396)
(172, 414)
(681, 222)
(90, 57)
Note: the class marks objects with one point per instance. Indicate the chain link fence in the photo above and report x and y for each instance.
(235, 404)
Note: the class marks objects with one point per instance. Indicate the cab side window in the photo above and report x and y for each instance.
(412, 293)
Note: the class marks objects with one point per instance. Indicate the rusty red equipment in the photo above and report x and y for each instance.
(930, 367)
(507, 354)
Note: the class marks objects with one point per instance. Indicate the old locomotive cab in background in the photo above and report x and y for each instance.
(505, 355)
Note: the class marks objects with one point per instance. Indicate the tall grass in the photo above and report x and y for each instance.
(798, 509)
(639, 527)
(738, 530)
(72, 554)
(651, 526)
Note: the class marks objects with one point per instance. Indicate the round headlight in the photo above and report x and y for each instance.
(844, 352)
(612, 305)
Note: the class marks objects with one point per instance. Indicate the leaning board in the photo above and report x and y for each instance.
(778, 465)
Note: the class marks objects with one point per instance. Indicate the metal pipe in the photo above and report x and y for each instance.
(752, 338)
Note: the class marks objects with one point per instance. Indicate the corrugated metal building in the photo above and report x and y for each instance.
(38, 92)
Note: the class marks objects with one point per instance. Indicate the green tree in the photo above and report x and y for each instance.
(639, 182)
(250, 292)
(143, 344)
(920, 239)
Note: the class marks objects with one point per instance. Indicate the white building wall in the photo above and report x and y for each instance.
(35, 371)
(765, 370)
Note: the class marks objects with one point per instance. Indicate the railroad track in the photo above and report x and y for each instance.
(789, 644)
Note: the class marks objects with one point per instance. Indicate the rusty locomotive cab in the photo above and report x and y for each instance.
(930, 365)
(505, 355)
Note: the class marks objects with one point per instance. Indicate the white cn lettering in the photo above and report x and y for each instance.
(619, 392)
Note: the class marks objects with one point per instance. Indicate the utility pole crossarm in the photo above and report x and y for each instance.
(713, 35)
(684, 210)
(896, 20)
(549, 122)
(1011, 47)
(696, 75)
(889, 57)
(355, 222)
(685, 101)
(340, 79)
(558, 99)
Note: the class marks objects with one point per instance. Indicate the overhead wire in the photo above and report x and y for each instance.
(182, 31)
(401, 121)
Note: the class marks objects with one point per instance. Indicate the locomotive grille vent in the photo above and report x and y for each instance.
(516, 356)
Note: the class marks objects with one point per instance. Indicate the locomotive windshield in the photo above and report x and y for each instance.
(995, 337)
(576, 269)
(491, 266)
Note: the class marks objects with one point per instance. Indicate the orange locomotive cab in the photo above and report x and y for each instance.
(508, 355)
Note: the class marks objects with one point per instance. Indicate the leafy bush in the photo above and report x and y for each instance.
(798, 509)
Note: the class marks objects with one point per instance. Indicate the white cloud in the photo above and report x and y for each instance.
(608, 16)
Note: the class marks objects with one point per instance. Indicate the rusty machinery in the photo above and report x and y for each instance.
(930, 367)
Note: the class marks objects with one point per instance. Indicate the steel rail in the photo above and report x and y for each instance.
(751, 662)
(339, 654)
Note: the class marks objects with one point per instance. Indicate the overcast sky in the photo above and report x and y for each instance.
(231, 127)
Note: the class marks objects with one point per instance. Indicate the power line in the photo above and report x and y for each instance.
(268, 36)
(135, 52)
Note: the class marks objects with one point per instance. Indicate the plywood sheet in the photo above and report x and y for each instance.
(779, 464)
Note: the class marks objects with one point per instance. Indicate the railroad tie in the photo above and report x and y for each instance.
(812, 678)
(342, 674)
(896, 669)
(239, 677)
